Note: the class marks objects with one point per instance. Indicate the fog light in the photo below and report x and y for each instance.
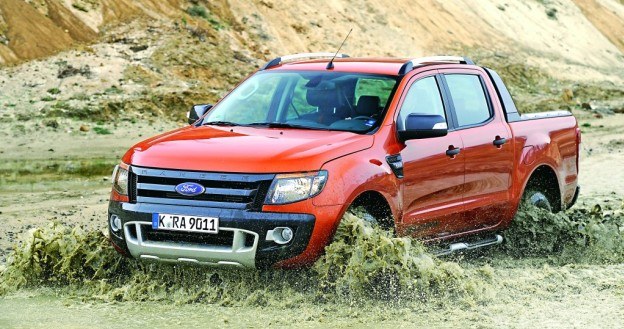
(115, 223)
(287, 234)
(280, 235)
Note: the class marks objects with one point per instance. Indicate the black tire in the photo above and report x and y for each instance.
(538, 199)
(374, 221)
(384, 223)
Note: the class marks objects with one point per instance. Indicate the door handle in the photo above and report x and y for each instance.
(499, 141)
(452, 151)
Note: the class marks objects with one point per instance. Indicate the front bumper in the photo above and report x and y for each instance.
(241, 241)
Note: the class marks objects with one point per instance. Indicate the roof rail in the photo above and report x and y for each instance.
(294, 57)
(409, 65)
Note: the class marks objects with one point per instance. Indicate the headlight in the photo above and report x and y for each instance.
(290, 188)
(120, 180)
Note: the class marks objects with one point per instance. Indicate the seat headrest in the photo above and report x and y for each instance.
(367, 105)
(322, 97)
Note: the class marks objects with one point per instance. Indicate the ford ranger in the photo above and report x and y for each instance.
(432, 147)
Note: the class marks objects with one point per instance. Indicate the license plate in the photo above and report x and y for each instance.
(185, 223)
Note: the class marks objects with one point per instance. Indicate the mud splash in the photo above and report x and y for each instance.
(364, 264)
(581, 235)
(367, 261)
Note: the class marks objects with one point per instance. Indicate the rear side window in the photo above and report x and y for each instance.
(469, 99)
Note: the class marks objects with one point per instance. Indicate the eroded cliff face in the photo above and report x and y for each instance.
(38, 28)
(580, 32)
(109, 58)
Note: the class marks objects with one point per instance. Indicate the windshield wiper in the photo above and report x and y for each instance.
(285, 125)
(221, 123)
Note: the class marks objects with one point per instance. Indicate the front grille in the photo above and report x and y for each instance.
(223, 238)
(223, 190)
(132, 187)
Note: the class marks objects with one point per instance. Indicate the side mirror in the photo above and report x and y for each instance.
(418, 126)
(196, 112)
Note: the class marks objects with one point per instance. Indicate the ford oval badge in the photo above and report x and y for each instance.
(190, 189)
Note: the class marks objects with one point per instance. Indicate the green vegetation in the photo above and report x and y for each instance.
(113, 90)
(197, 11)
(51, 123)
(80, 7)
(101, 130)
(21, 171)
(551, 13)
(61, 105)
(47, 98)
(139, 74)
(201, 11)
(23, 116)
(54, 91)
(81, 97)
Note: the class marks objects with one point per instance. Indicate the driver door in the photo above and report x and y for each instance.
(433, 183)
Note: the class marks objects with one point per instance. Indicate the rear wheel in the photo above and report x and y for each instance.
(537, 198)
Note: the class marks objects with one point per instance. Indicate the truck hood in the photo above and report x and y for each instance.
(245, 149)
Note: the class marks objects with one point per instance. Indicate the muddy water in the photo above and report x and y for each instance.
(554, 270)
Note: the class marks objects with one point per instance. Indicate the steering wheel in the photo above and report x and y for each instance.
(362, 117)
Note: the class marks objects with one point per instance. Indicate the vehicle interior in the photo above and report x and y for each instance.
(322, 100)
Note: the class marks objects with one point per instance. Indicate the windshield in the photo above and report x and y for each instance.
(308, 100)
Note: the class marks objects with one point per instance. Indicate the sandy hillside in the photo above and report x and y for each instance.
(581, 39)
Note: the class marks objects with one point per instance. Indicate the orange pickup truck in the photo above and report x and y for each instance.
(433, 147)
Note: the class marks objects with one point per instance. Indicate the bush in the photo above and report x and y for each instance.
(197, 11)
(101, 131)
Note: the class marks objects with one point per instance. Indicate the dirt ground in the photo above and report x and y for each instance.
(63, 174)
(83, 80)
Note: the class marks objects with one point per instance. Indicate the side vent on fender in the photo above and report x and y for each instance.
(396, 164)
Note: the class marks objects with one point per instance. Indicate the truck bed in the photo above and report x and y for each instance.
(551, 138)
(539, 115)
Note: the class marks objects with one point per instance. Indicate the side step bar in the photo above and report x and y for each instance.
(453, 247)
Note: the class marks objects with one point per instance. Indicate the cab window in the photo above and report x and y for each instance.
(423, 97)
(469, 101)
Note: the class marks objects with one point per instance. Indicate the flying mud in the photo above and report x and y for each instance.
(364, 264)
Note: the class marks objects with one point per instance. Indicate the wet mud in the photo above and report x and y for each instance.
(365, 268)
